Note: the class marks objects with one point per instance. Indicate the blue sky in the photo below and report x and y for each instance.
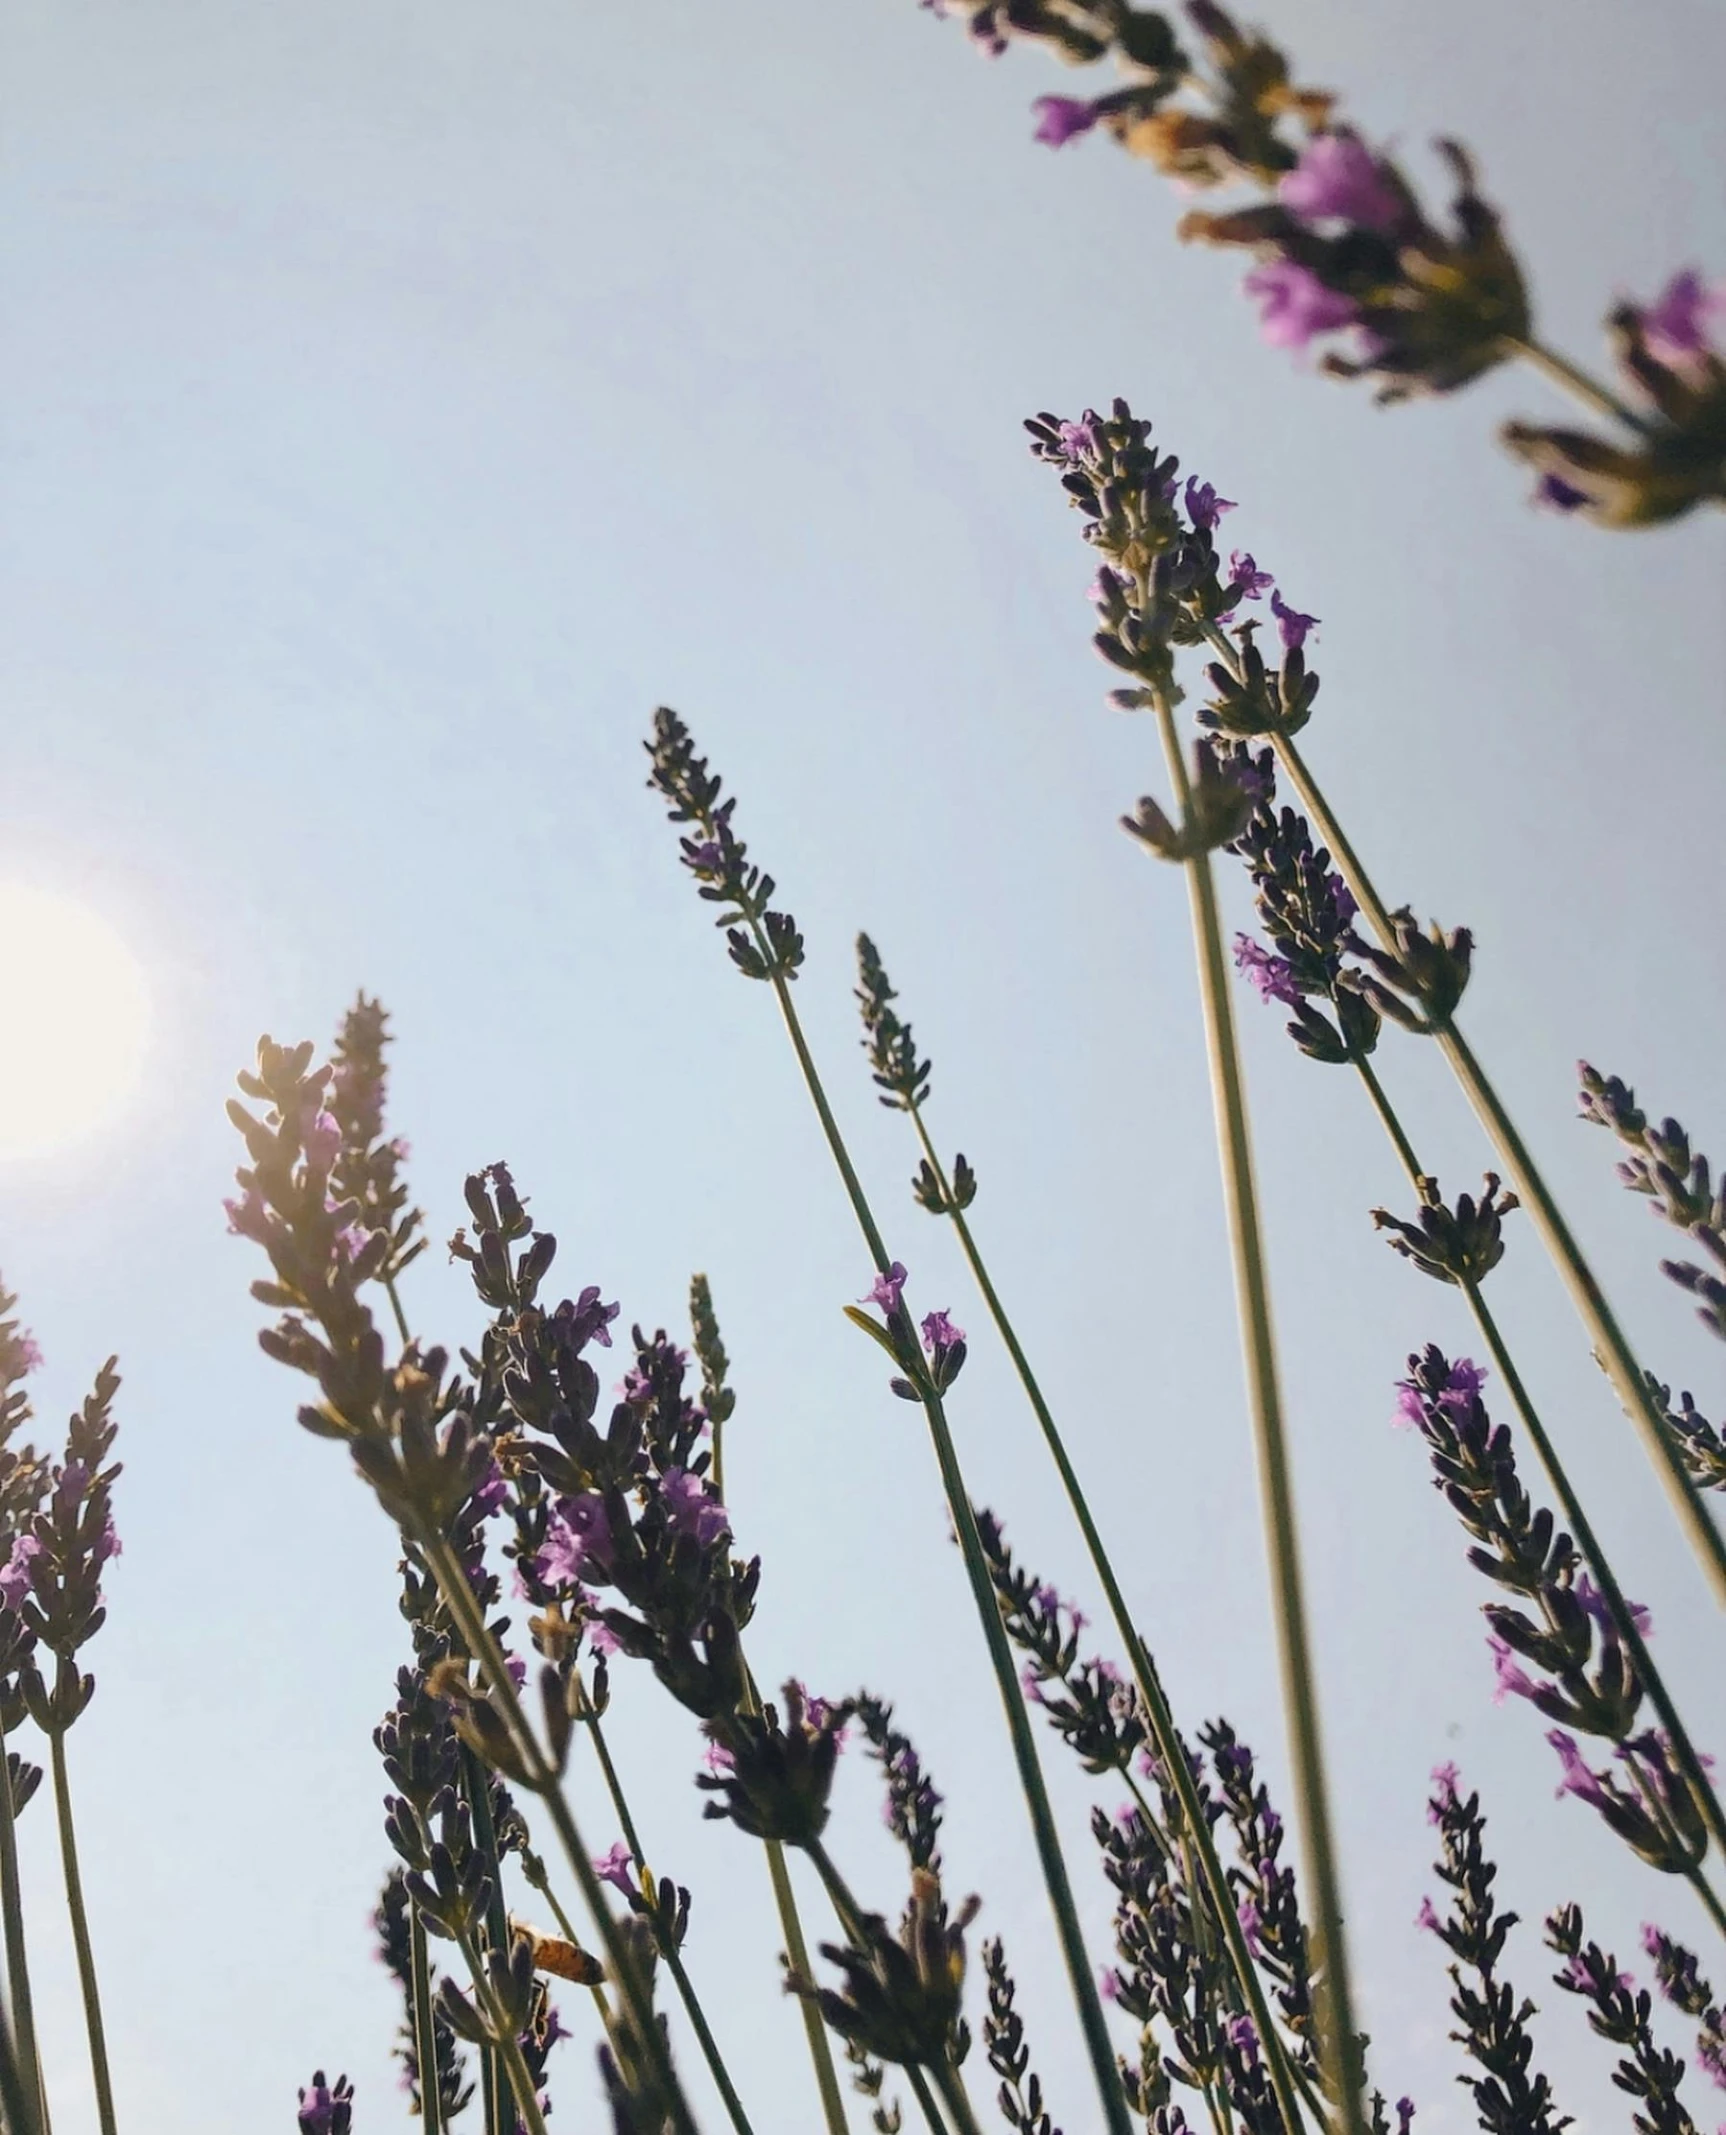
(398, 403)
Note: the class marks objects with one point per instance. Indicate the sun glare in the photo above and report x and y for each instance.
(73, 1013)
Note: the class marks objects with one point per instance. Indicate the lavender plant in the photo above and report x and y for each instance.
(1347, 257)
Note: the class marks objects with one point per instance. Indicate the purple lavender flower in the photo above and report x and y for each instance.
(1243, 2037)
(1248, 582)
(1428, 1918)
(1081, 437)
(617, 1869)
(941, 1337)
(885, 1290)
(1444, 1781)
(1674, 326)
(1272, 975)
(1578, 1779)
(107, 1544)
(15, 1574)
(1514, 1681)
(327, 2108)
(1252, 1927)
(586, 1320)
(719, 1759)
(1339, 179)
(323, 1140)
(705, 857)
(1291, 624)
(1295, 306)
(249, 1218)
(1204, 506)
(1061, 119)
(1594, 1601)
(1109, 1983)
(692, 1508)
(516, 1669)
(578, 1533)
(489, 1492)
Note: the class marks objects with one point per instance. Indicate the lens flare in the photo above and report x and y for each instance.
(73, 1021)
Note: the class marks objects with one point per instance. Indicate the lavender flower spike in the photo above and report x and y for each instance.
(1061, 119)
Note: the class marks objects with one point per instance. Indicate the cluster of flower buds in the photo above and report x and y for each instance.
(392, 1921)
(764, 943)
(1701, 1444)
(1094, 1711)
(1678, 1182)
(902, 1995)
(913, 1807)
(1264, 1884)
(1674, 454)
(1493, 2018)
(327, 2108)
(1021, 2093)
(1620, 2012)
(1460, 1245)
(1584, 1677)
(1679, 1976)
(772, 1775)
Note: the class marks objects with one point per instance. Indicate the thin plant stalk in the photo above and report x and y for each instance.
(1608, 1338)
(19, 2100)
(954, 2098)
(478, 1787)
(1570, 378)
(518, 2076)
(17, 1964)
(797, 1949)
(81, 1934)
(425, 2028)
(982, 1590)
(1623, 1616)
(1338, 2042)
(543, 1781)
(673, 1957)
(1145, 1676)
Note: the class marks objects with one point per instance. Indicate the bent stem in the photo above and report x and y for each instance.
(715, 2060)
(983, 1595)
(1623, 1616)
(1149, 1683)
(425, 2028)
(542, 1779)
(1610, 1346)
(17, 1965)
(81, 1934)
(1573, 379)
(1340, 2048)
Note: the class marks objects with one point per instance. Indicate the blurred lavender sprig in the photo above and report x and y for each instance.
(1346, 257)
(1679, 1976)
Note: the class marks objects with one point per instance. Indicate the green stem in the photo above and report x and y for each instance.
(954, 2098)
(507, 2049)
(81, 1934)
(1338, 2040)
(18, 2103)
(543, 1781)
(17, 1965)
(1572, 379)
(1623, 1616)
(1700, 1884)
(1047, 1838)
(477, 1780)
(673, 1956)
(1162, 1724)
(1610, 1345)
(425, 2028)
(797, 1950)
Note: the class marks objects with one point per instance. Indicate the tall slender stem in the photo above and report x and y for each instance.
(543, 1779)
(1197, 1833)
(1024, 1746)
(19, 2103)
(81, 1934)
(477, 1780)
(673, 1956)
(1623, 1615)
(953, 2097)
(1338, 2039)
(1610, 1345)
(425, 2025)
(797, 1950)
(17, 1964)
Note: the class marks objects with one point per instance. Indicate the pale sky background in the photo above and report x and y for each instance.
(399, 401)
